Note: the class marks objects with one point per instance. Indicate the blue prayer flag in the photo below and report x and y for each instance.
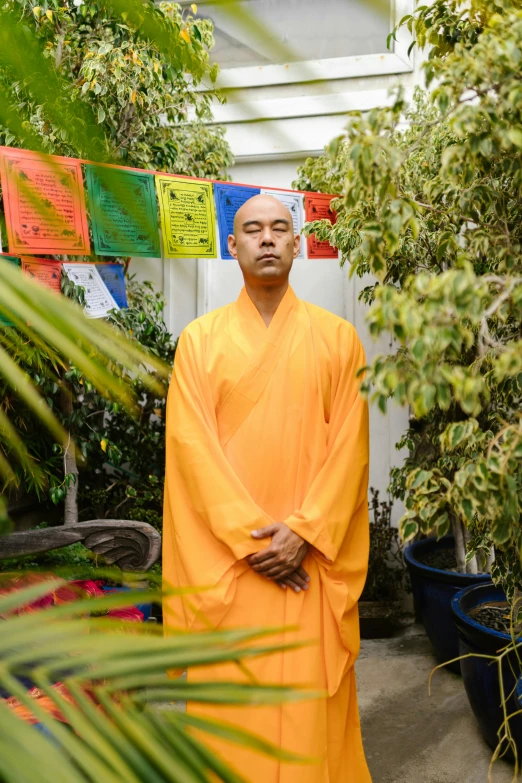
(229, 198)
(114, 278)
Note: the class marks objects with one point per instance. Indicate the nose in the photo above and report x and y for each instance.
(267, 238)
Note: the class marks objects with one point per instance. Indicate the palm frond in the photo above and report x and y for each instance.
(116, 694)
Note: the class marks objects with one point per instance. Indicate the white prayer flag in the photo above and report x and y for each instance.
(98, 300)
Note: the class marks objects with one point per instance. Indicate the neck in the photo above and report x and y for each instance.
(267, 298)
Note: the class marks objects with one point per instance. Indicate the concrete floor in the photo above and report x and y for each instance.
(409, 736)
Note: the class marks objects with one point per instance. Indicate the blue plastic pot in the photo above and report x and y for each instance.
(481, 676)
(433, 590)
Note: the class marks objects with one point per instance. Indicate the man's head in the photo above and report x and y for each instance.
(263, 241)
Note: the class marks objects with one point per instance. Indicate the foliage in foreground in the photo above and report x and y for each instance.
(434, 212)
(133, 735)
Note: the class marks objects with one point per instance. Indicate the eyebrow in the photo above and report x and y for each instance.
(258, 222)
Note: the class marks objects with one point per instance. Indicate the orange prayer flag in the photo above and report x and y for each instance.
(44, 203)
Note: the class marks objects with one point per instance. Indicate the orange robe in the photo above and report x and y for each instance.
(264, 425)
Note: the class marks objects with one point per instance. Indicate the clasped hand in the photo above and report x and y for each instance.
(281, 560)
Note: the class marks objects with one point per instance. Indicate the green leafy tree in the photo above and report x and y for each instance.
(110, 73)
(434, 211)
(36, 354)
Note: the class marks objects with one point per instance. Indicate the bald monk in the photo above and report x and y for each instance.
(266, 501)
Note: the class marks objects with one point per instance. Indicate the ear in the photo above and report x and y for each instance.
(232, 246)
(297, 245)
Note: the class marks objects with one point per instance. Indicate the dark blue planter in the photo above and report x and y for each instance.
(433, 590)
(481, 677)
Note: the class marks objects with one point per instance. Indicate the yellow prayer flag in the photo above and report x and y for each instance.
(187, 217)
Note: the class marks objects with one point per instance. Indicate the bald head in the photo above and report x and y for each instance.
(263, 241)
(260, 204)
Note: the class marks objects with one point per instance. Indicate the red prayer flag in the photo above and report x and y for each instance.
(317, 207)
(47, 271)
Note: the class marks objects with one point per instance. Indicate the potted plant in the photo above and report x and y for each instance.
(380, 607)
(489, 646)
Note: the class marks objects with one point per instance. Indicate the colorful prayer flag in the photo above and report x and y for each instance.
(113, 276)
(98, 300)
(46, 271)
(294, 203)
(123, 212)
(15, 262)
(317, 207)
(229, 198)
(44, 203)
(187, 217)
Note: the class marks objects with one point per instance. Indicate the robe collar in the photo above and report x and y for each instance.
(249, 312)
(249, 331)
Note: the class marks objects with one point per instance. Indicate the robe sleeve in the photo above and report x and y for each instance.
(340, 487)
(193, 449)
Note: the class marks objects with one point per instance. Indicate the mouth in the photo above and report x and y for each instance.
(268, 257)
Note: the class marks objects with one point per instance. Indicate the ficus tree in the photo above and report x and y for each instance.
(124, 84)
(431, 205)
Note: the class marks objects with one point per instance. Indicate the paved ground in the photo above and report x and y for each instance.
(411, 737)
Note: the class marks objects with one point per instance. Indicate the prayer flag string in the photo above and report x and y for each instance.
(46, 213)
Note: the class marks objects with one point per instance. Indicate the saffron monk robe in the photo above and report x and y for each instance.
(266, 500)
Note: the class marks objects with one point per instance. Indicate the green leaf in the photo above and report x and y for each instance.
(442, 525)
(515, 136)
(421, 477)
(467, 507)
(408, 529)
(457, 433)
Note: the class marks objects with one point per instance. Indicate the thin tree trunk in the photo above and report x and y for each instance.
(490, 559)
(472, 565)
(460, 544)
(516, 610)
(70, 514)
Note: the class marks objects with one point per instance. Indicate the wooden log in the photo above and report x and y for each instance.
(133, 546)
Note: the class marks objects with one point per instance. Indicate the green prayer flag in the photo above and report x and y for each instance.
(123, 212)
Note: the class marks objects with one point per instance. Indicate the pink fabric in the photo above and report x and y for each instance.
(67, 593)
